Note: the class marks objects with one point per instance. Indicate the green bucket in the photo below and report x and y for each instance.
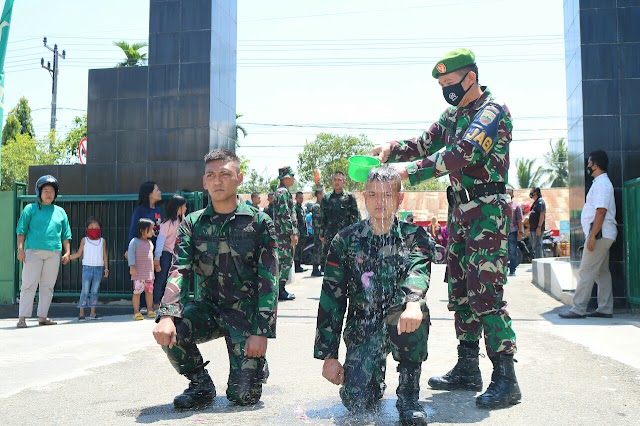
(360, 166)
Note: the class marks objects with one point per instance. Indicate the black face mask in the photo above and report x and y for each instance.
(589, 171)
(531, 195)
(453, 94)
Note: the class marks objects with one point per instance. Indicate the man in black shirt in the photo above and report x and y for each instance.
(536, 221)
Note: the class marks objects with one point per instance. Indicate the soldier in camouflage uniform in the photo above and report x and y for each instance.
(470, 142)
(286, 225)
(269, 209)
(231, 247)
(316, 224)
(339, 210)
(303, 233)
(380, 267)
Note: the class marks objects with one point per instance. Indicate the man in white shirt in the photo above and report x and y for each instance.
(598, 220)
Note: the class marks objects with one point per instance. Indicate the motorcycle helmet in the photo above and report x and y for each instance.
(46, 180)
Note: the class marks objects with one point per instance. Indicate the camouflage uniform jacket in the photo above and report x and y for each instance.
(302, 223)
(338, 212)
(269, 210)
(375, 273)
(476, 139)
(284, 215)
(236, 259)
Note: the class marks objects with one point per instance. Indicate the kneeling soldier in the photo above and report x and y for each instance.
(381, 267)
(231, 246)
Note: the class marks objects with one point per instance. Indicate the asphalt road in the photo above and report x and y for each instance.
(575, 372)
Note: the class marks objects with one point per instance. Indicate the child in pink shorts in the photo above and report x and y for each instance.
(141, 266)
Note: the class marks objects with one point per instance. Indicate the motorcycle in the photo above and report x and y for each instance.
(441, 254)
(549, 245)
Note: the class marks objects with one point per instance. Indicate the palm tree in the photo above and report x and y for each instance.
(527, 177)
(557, 164)
(132, 52)
(240, 129)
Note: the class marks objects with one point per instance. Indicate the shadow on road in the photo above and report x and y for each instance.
(455, 407)
(166, 412)
(618, 319)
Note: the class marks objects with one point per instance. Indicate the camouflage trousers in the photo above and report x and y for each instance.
(201, 324)
(285, 262)
(319, 256)
(297, 254)
(367, 349)
(477, 267)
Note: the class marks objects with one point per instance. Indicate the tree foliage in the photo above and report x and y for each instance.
(557, 167)
(330, 153)
(19, 121)
(19, 154)
(240, 129)
(527, 176)
(254, 182)
(133, 56)
(428, 185)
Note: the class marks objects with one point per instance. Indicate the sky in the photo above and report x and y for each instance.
(345, 67)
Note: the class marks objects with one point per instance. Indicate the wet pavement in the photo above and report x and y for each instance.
(111, 372)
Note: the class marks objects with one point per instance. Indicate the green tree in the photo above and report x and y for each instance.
(428, 185)
(11, 129)
(133, 56)
(557, 168)
(254, 182)
(19, 121)
(240, 129)
(18, 155)
(527, 176)
(75, 135)
(330, 153)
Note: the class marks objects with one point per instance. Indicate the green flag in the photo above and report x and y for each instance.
(5, 21)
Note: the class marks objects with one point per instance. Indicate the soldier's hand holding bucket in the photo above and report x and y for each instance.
(382, 152)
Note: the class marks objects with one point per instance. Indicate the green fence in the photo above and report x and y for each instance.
(631, 206)
(114, 211)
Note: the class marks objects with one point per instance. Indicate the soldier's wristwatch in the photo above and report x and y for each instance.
(411, 298)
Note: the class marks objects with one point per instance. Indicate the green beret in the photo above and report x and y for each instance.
(453, 61)
(284, 172)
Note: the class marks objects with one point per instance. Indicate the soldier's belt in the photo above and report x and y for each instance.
(467, 194)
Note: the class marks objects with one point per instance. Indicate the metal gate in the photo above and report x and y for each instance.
(114, 211)
(631, 207)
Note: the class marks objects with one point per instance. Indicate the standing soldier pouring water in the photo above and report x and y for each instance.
(470, 143)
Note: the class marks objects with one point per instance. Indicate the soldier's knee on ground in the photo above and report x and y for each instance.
(356, 398)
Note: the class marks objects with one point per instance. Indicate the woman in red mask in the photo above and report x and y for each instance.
(95, 263)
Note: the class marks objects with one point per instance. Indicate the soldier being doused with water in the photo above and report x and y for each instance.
(377, 272)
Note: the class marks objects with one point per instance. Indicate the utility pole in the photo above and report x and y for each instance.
(54, 75)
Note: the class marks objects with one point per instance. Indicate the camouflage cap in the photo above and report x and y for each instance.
(284, 172)
(453, 61)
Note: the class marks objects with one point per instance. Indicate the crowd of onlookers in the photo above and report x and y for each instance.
(43, 233)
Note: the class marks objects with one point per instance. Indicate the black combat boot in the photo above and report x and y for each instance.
(299, 268)
(200, 392)
(316, 271)
(465, 374)
(503, 389)
(410, 411)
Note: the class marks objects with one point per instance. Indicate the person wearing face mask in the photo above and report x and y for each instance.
(470, 143)
(537, 221)
(598, 219)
